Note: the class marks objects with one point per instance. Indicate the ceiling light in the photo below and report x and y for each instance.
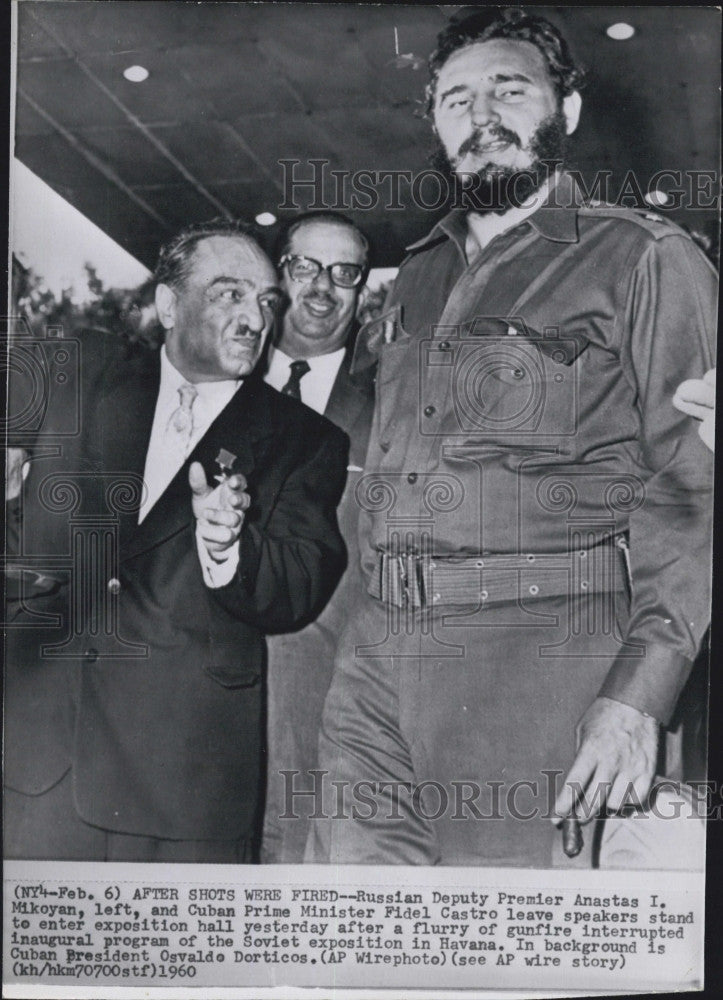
(620, 31)
(136, 74)
(265, 219)
(657, 198)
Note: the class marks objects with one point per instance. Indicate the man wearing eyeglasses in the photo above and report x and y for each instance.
(323, 260)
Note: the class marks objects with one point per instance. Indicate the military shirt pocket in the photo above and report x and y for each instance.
(516, 393)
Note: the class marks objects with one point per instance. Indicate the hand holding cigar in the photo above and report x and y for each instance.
(615, 764)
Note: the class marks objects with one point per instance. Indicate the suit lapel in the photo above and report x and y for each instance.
(349, 396)
(241, 428)
(124, 416)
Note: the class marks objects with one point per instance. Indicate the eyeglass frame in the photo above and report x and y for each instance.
(321, 267)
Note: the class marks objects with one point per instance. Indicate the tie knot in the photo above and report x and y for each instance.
(187, 393)
(299, 368)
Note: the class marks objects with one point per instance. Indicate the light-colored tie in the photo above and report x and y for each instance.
(180, 424)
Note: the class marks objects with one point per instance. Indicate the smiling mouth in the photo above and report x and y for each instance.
(489, 147)
(319, 308)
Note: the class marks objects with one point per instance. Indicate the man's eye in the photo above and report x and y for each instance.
(230, 295)
(508, 94)
(458, 104)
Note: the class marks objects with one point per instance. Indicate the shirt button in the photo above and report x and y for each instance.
(90, 655)
(429, 411)
(114, 586)
(444, 346)
(517, 373)
(412, 477)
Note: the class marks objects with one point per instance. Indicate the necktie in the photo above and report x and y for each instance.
(180, 423)
(298, 370)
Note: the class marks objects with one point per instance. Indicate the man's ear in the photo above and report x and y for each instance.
(571, 106)
(166, 306)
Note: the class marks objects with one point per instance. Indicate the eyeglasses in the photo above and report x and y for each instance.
(307, 269)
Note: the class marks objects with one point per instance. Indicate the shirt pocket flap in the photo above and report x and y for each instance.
(374, 335)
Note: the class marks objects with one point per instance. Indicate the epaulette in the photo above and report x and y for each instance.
(654, 223)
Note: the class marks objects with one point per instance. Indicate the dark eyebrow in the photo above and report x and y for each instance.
(511, 77)
(497, 78)
(224, 279)
(452, 90)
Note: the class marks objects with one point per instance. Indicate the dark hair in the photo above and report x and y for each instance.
(283, 243)
(174, 259)
(483, 24)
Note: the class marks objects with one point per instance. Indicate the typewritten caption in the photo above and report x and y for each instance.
(132, 925)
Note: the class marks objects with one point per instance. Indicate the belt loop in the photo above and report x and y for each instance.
(403, 578)
(419, 567)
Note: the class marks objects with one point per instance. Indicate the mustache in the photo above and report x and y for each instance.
(478, 139)
(320, 296)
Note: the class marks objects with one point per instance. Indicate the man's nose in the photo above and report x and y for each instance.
(323, 281)
(252, 316)
(483, 112)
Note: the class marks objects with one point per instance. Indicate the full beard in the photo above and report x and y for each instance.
(497, 188)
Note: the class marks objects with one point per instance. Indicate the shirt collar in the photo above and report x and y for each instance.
(555, 219)
(320, 362)
(172, 380)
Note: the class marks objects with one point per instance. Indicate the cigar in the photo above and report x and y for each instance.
(572, 842)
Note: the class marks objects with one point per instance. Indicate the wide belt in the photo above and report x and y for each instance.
(410, 580)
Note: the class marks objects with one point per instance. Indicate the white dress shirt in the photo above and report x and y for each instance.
(318, 382)
(159, 470)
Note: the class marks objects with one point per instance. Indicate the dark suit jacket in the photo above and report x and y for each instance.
(351, 408)
(165, 671)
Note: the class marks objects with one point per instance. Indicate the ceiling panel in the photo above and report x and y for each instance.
(134, 158)
(67, 94)
(192, 143)
(118, 25)
(236, 78)
(173, 97)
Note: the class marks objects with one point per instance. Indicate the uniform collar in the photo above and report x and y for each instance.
(555, 219)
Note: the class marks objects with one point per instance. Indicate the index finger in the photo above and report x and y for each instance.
(573, 789)
(236, 482)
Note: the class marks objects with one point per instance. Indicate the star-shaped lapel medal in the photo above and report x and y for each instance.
(224, 460)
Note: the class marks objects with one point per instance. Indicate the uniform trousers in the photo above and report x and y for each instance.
(446, 734)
